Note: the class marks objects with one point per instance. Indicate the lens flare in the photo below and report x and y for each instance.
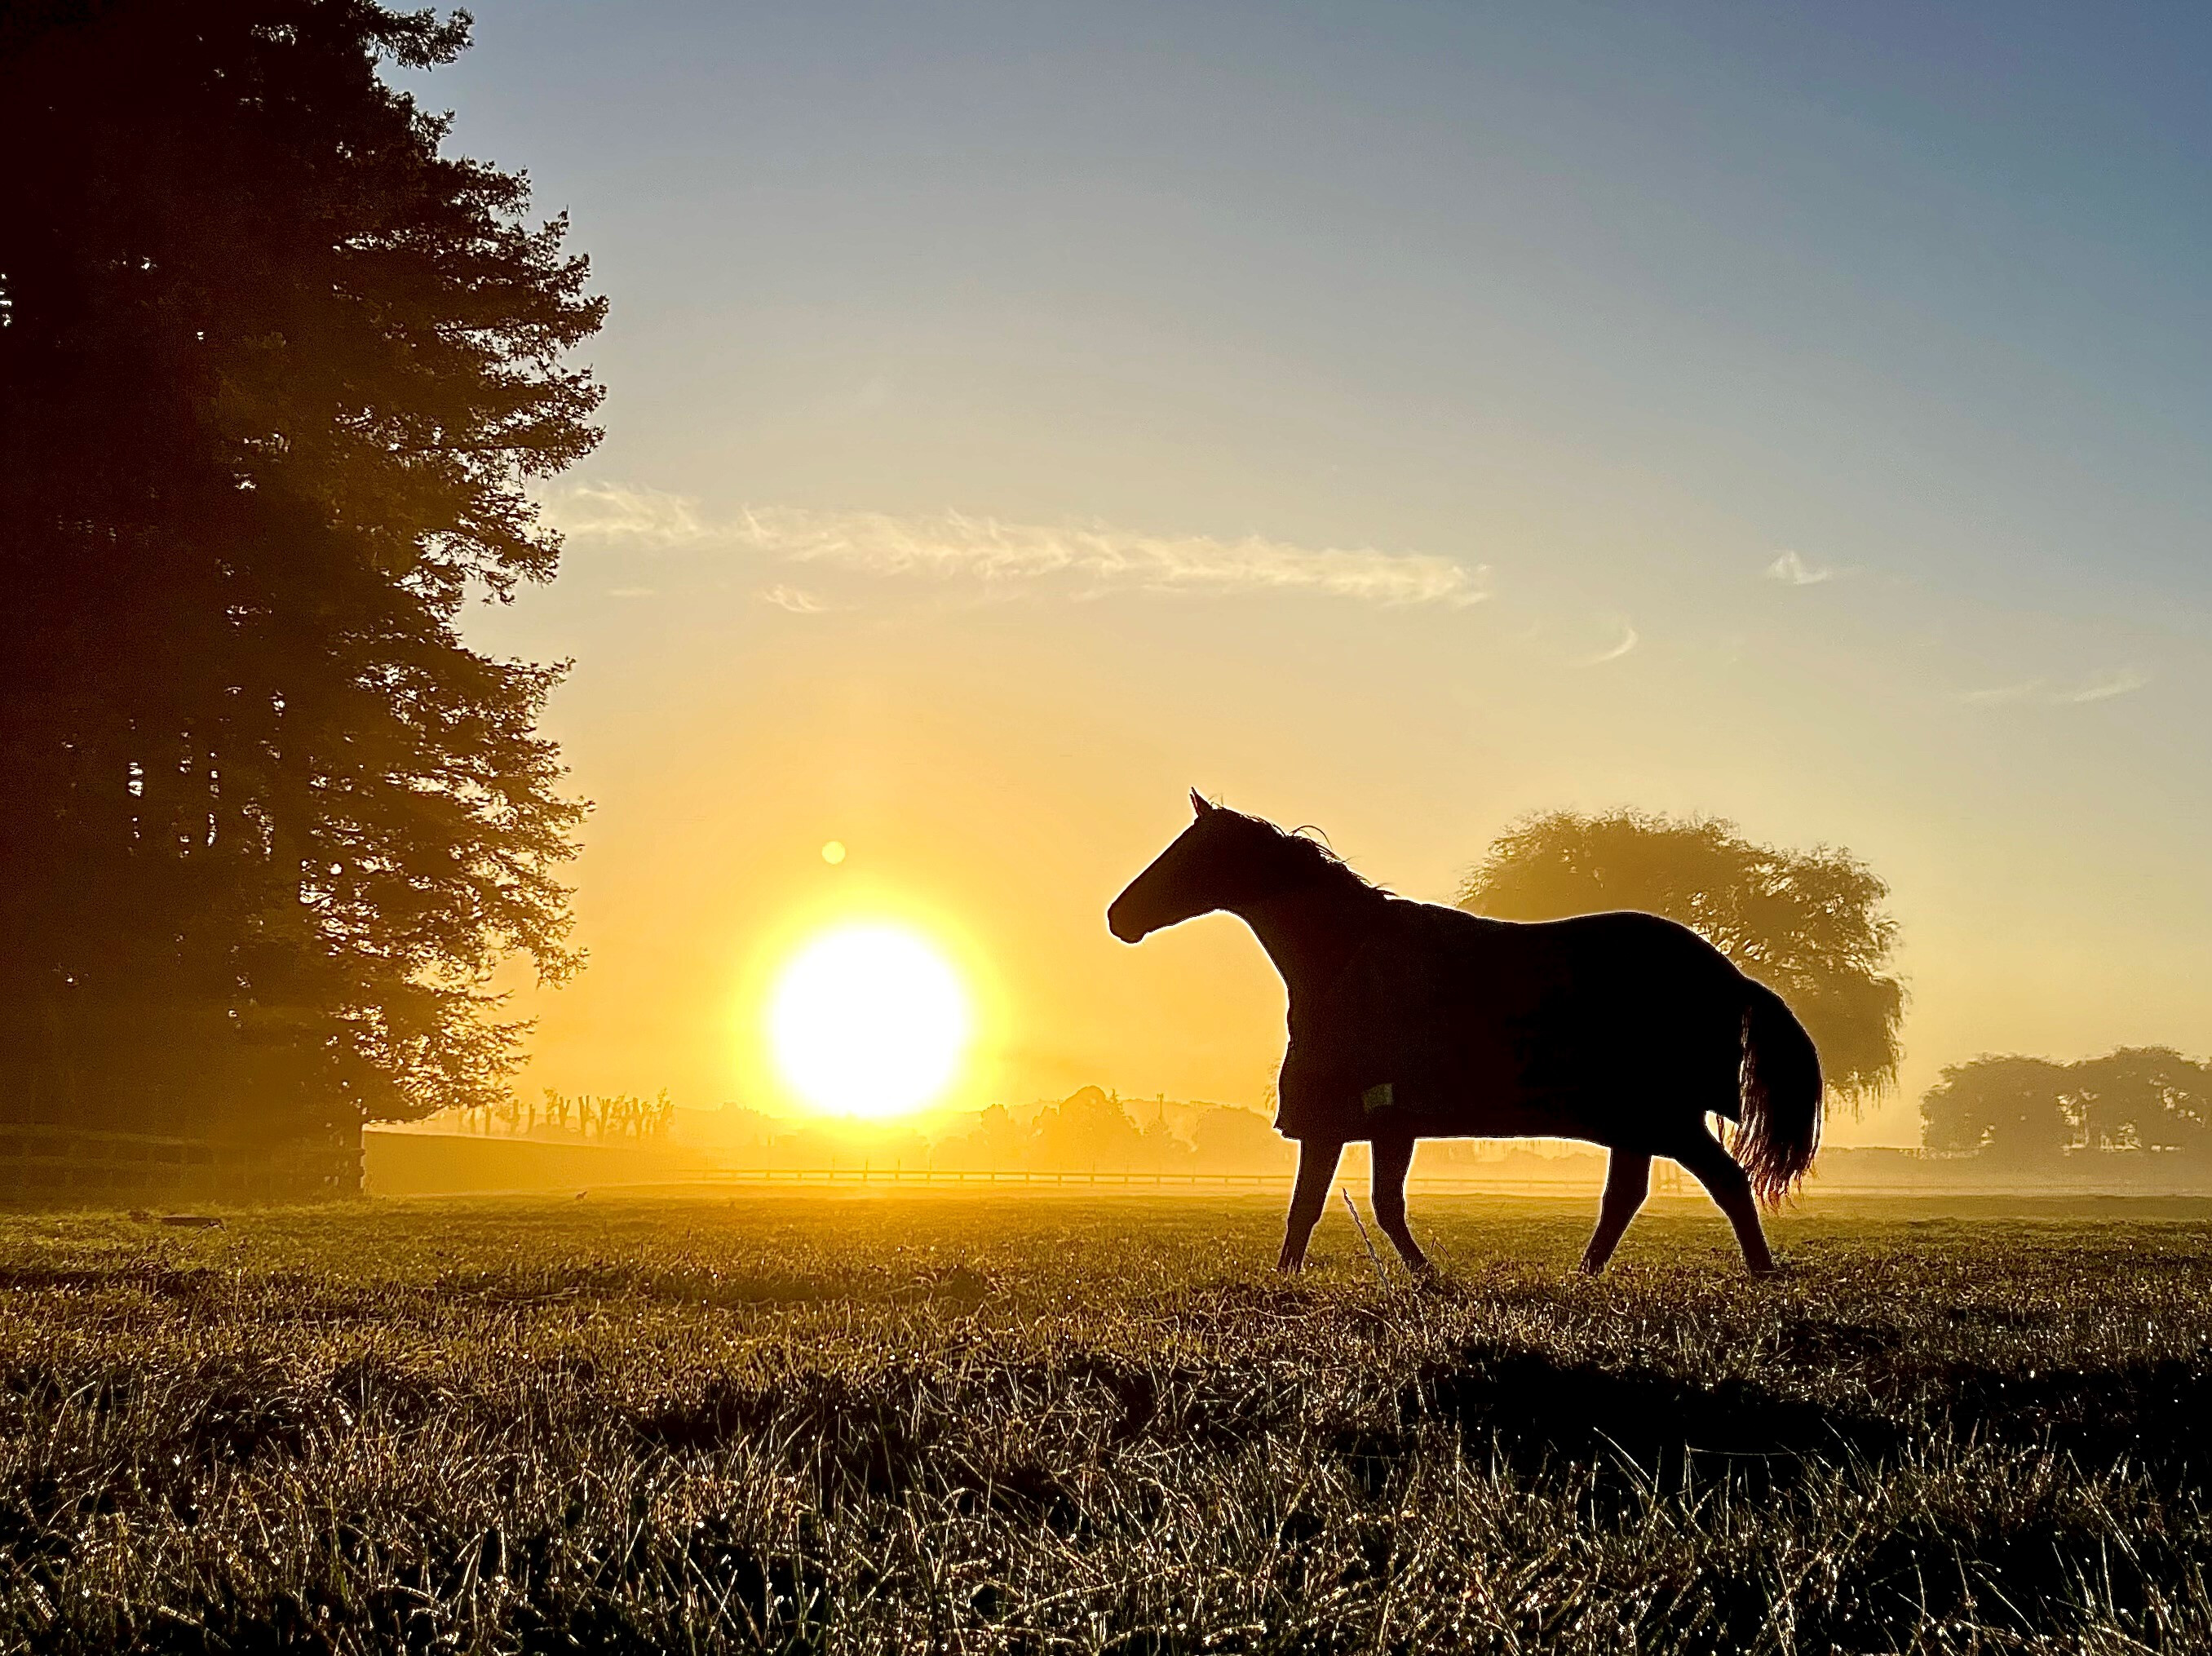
(868, 1020)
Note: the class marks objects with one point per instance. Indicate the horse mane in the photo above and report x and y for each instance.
(1300, 856)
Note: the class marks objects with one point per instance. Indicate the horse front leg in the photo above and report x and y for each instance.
(1393, 1156)
(1316, 1166)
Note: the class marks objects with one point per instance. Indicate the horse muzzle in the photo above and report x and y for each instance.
(1125, 925)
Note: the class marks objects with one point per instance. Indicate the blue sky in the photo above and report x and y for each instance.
(1816, 401)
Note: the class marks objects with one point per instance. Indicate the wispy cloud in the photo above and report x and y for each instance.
(793, 599)
(1627, 642)
(2097, 687)
(2115, 681)
(631, 591)
(1791, 569)
(952, 545)
(623, 514)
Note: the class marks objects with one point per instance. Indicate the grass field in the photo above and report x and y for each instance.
(801, 1422)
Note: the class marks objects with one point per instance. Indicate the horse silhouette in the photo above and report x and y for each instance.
(1409, 1020)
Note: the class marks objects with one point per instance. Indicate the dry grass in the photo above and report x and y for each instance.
(802, 1422)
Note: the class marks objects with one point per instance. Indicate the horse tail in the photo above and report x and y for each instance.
(1781, 1091)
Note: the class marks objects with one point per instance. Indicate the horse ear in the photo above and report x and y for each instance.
(1198, 805)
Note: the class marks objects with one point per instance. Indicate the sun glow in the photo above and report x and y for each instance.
(868, 1020)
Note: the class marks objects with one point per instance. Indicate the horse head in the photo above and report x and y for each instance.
(1224, 860)
(1181, 882)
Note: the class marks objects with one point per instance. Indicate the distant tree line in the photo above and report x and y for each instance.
(604, 1117)
(2016, 1112)
(1094, 1128)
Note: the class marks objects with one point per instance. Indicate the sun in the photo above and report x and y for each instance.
(868, 1020)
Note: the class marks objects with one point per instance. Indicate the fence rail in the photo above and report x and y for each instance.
(977, 1176)
(1581, 1180)
(953, 1177)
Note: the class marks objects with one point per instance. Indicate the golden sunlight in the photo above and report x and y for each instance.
(868, 1020)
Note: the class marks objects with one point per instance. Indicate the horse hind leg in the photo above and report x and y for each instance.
(1627, 1182)
(1713, 1166)
(1387, 1195)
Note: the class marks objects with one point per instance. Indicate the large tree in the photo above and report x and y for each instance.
(1811, 925)
(274, 371)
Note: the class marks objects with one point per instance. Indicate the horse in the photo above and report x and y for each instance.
(1411, 1020)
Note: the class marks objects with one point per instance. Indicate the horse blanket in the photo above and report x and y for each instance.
(1449, 1024)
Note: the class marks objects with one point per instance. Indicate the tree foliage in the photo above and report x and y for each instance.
(1811, 925)
(2011, 1106)
(274, 372)
(2027, 1111)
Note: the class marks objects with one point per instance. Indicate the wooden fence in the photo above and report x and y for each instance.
(1666, 1180)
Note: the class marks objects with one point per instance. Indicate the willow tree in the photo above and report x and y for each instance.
(275, 370)
(1811, 925)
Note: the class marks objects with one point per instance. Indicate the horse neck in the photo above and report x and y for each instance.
(1310, 931)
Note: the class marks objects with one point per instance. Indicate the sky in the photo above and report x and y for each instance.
(1397, 418)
